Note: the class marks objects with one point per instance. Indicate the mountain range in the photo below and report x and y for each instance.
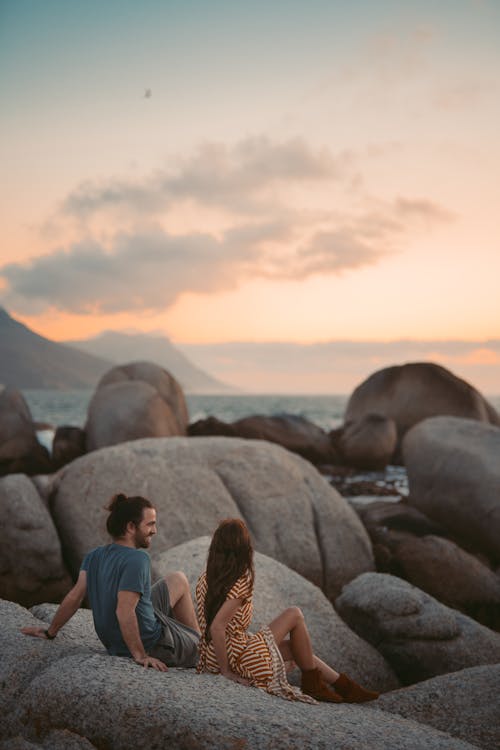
(31, 361)
(127, 347)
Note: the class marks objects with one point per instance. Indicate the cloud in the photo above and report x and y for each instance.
(232, 177)
(139, 260)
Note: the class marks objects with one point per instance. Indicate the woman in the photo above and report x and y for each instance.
(224, 603)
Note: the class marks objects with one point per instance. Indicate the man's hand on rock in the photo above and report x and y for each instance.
(150, 661)
(36, 632)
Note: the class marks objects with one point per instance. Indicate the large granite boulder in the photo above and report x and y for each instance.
(278, 587)
(132, 401)
(448, 573)
(420, 637)
(454, 476)
(412, 392)
(20, 451)
(31, 565)
(294, 433)
(66, 686)
(366, 443)
(465, 703)
(292, 512)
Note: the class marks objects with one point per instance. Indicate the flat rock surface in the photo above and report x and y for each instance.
(465, 704)
(62, 686)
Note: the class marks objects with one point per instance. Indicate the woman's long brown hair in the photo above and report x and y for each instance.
(229, 557)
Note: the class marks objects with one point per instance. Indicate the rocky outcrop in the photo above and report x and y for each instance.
(366, 443)
(454, 476)
(20, 451)
(420, 637)
(31, 565)
(408, 544)
(134, 401)
(278, 587)
(113, 703)
(294, 433)
(412, 392)
(449, 574)
(292, 512)
(68, 444)
(464, 703)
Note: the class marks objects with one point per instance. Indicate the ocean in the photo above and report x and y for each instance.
(56, 408)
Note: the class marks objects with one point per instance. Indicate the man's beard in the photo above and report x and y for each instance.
(142, 541)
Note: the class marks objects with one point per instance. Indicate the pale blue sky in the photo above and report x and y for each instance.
(303, 171)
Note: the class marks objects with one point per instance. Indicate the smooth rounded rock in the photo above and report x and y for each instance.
(420, 637)
(31, 565)
(127, 411)
(292, 512)
(276, 588)
(159, 379)
(20, 451)
(412, 392)
(366, 443)
(454, 476)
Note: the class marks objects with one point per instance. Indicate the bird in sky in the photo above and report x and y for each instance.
(147, 93)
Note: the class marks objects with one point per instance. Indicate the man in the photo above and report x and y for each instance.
(155, 625)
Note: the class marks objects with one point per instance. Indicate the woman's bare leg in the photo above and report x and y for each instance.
(180, 599)
(329, 675)
(292, 621)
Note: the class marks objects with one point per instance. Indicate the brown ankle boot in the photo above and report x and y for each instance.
(314, 685)
(351, 692)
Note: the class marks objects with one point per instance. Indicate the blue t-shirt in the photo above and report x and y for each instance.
(115, 568)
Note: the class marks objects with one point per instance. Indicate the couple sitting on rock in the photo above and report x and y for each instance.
(157, 625)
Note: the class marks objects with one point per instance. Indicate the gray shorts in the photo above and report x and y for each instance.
(178, 644)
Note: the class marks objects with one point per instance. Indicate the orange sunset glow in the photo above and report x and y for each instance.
(329, 175)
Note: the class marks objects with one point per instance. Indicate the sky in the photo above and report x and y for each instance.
(226, 173)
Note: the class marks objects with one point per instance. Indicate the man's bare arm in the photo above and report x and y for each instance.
(69, 605)
(127, 620)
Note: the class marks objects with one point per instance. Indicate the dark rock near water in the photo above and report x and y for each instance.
(420, 637)
(454, 474)
(20, 451)
(412, 392)
(294, 433)
(368, 442)
(68, 444)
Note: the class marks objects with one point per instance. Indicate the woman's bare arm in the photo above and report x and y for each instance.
(218, 633)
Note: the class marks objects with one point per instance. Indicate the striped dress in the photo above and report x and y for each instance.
(254, 656)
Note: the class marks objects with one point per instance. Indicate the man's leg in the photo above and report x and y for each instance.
(180, 599)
